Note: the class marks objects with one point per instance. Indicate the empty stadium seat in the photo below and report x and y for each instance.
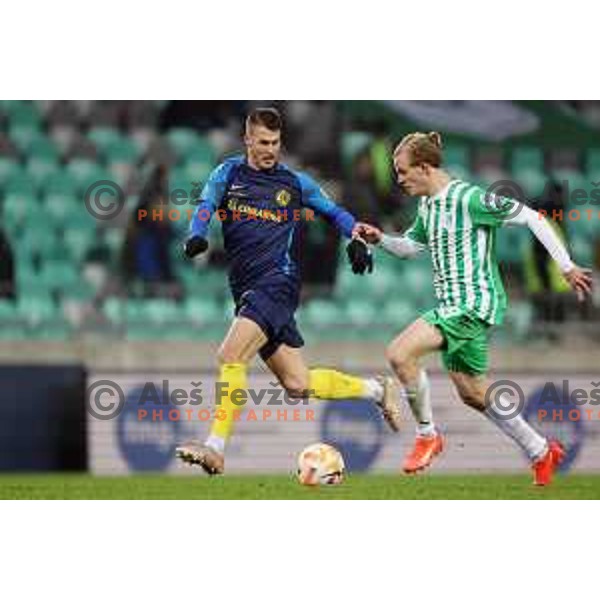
(527, 158)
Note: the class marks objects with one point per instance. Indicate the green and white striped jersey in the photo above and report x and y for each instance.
(458, 225)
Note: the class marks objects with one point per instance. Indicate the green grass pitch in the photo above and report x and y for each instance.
(384, 487)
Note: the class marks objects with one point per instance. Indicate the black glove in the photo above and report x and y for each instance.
(194, 246)
(360, 256)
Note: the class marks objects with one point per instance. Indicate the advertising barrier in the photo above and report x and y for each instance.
(135, 422)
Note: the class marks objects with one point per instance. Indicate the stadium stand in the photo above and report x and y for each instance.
(68, 265)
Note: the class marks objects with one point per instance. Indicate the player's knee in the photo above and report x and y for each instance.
(227, 355)
(296, 386)
(398, 359)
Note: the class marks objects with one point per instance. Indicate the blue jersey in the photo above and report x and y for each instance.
(260, 215)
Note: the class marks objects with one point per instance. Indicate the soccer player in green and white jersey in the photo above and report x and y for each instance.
(457, 223)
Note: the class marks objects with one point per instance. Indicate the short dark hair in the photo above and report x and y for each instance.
(267, 117)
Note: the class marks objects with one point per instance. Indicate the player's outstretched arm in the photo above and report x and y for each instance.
(314, 197)
(402, 246)
(209, 199)
(578, 278)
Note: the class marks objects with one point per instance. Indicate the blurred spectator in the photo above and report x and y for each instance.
(7, 147)
(381, 153)
(314, 135)
(362, 193)
(7, 269)
(319, 256)
(201, 114)
(547, 287)
(146, 255)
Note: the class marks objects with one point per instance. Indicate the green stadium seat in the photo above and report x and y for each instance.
(201, 151)
(61, 182)
(520, 319)
(527, 159)
(80, 220)
(8, 312)
(24, 137)
(147, 332)
(203, 311)
(56, 329)
(114, 238)
(532, 181)
(6, 106)
(161, 311)
(323, 313)
(58, 275)
(398, 313)
(511, 243)
(36, 242)
(17, 207)
(582, 250)
(30, 284)
(80, 291)
(361, 313)
(85, 172)
(13, 332)
(416, 282)
(44, 149)
(34, 309)
(121, 151)
(25, 114)
(456, 156)
(182, 141)
(592, 161)
(198, 171)
(349, 285)
(384, 281)
(40, 170)
(572, 177)
(115, 310)
(8, 168)
(20, 182)
(59, 206)
(459, 172)
(102, 137)
(352, 144)
(78, 242)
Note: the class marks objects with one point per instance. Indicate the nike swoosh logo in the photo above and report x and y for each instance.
(237, 187)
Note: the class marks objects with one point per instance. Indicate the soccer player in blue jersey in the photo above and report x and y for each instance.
(258, 201)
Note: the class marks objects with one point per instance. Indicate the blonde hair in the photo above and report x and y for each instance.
(423, 148)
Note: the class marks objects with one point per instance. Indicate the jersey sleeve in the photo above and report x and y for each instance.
(210, 197)
(490, 209)
(313, 196)
(416, 231)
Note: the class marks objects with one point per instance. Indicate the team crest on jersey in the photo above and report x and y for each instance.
(283, 198)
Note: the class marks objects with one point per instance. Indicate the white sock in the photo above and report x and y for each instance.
(516, 428)
(216, 443)
(373, 389)
(419, 400)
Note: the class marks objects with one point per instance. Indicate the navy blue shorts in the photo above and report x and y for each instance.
(272, 308)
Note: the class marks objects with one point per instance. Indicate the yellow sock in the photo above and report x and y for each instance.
(234, 375)
(328, 384)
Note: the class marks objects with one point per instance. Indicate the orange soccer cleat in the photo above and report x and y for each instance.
(425, 450)
(543, 468)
